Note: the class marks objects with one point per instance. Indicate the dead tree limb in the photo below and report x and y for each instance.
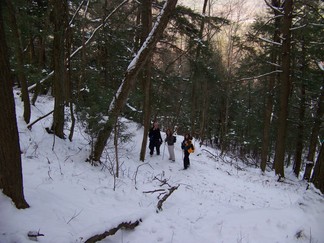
(124, 225)
(213, 155)
(40, 118)
(165, 197)
(162, 181)
(158, 190)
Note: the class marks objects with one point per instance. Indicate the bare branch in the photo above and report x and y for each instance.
(171, 190)
(262, 75)
(270, 41)
(74, 216)
(76, 12)
(40, 118)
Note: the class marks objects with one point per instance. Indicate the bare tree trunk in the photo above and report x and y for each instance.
(196, 77)
(285, 83)
(318, 174)
(313, 140)
(300, 132)
(301, 122)
(132, 71)
(146, 17)
(59, 18)
(270, 94)
(11, 178)
(20, 61)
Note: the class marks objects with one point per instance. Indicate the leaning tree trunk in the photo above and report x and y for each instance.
(11, 179)
(318, 174)
(146, 17)
(59, 18)
(285, 83)
(20, 61)
(132, 71)
(270, 92)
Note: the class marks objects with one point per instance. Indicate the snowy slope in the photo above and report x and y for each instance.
(218, 199)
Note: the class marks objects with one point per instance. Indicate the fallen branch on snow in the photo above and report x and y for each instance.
(165, 197)
(124, 225)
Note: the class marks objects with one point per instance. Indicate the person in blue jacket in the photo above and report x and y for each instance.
(155, 139)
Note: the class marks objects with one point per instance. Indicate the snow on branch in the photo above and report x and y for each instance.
(321, 65)
(274, 8)
(142, 53)
(76, 12)
(270, 41)
(80, 47)
(262, 75)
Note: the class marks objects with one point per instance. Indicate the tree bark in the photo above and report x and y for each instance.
(146, 17)
(301, 122)
(285, 83)
(195, 106)
(318, 174)
(270, 93)
(20, 61)
(132, 71)
(313, 140)
(11, 179)
(59, 19)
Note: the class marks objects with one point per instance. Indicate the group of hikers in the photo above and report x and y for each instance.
(156, 141)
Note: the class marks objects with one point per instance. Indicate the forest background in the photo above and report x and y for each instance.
(252, 88)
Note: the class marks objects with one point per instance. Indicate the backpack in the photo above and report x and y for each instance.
(191, 149)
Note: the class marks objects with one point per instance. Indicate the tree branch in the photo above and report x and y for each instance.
(40, 118)
(80, 47)
(165, 197)
(124, 225)
(262, 75)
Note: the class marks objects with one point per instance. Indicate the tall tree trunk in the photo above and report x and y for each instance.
(285, 83)
(302, 109)
(313, 139)
(132, 71)
(196, 75)
(270, 92)
(300, 132)
(20, 61)
(318, 174)
(146, 74)
(11, 179)
(59, 19)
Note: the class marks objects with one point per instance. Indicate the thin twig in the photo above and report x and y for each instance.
(74, 216)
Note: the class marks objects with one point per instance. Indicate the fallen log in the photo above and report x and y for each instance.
(124, 225)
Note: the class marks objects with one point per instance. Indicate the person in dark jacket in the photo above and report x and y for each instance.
(155, 139)
(187, 148)
(170, 140)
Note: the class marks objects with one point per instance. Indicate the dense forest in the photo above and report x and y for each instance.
(253, 89)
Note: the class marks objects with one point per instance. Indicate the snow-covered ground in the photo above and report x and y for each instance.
(218, 199)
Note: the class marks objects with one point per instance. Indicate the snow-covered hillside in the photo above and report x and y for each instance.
(218, 199)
